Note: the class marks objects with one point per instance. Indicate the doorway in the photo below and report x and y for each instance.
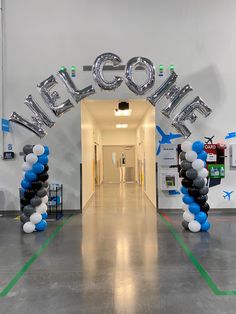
(119, 164)
(111, 154)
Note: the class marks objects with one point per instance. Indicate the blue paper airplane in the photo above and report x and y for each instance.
(227, 194)
(166, 138)
(230, 135)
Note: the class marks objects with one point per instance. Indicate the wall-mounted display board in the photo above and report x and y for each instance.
(168, 155)
(169, 179)
(216, 171)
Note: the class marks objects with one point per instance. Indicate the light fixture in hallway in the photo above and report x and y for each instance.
(121, 126)
(122, 113)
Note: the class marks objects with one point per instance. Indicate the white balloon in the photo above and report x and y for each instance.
(203, 173)
(198, 164)
(205, 181)
(31, 158)
(42, 208)
(184, 207)
(38, 150)
(191, 156)
(26, 166)
(194, 226)
(35, 218)
(187, 216)
(45, 199)
(186, 146)
(28, 227)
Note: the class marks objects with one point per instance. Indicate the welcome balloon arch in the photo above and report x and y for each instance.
(169, 89)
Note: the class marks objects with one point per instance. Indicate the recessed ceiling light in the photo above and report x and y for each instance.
(121, 126)
(122, 113)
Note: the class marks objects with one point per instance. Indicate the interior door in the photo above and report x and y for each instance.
(111, 164)
(119, 164)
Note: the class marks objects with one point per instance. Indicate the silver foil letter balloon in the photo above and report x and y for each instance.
(163, 89)
(97, 71)
(33, 127)
(187, 113)
(77, 94)
(175, 100)
(51, 98)
(40, 116)
(38, 119)
(150, 71)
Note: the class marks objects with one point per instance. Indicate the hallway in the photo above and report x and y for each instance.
(118, 257)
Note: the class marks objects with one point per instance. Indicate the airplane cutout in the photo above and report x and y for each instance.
(209, 140)
(230, 135)
(166, 138)
(227, 194)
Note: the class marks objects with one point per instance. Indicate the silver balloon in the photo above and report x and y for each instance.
(97, 71)
(35, 128)
(175, 100)
(174, 90)
(39, 115)
(163, 89)
(150, 71)
(51, 98)
(187, 114)
(77, 94)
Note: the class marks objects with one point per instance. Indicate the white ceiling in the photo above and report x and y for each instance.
(102, 111)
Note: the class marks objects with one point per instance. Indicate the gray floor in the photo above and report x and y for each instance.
(118, 257)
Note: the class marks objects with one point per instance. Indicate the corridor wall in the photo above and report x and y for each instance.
(41, 36)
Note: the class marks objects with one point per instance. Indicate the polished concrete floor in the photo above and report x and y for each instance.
(118, 257)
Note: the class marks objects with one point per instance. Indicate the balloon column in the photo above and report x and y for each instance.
(34, 188)
(194, 186)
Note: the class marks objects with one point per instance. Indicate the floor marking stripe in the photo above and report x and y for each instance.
(32, 259)
(205, 275)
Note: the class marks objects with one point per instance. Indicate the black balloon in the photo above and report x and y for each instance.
(185, 224)
(182, 173)
(29, 193)
(24, 201)
(36, 185)
(185, 165)
(45, 184)
(201, 200)
(191, 174)
(43, 177)
(28, 210)
(204, 190)
(205, 208)
(42, 192)
(193, 192)
(187, 183)
(24, 218)
(46, 168)
(27, 149)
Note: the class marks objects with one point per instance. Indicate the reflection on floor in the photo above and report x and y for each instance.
(118, 257)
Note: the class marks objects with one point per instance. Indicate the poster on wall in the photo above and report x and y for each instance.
(169, 179)
(168, 155)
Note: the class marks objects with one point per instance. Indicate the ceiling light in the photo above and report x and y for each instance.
(121, 126)
(122, 113)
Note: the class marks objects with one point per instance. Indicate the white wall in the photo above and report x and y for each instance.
(196, 36)
(119, 137)
(146, 151)
(90, 134)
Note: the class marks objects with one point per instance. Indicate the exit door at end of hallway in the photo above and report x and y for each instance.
(118, 164)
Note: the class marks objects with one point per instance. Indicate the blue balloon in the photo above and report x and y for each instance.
(46, 150)
(187, 199)
(202, 155)
(43, 159)
(201, 217)
(194, 208)
(198, 146)
(44, 216)
(184, 190)
(42, 225)
(38, 167)
(205, 226)
(30, 175)
(25, 184)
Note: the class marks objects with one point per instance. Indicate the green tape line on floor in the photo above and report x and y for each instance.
(32, 259)
(211, 284)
